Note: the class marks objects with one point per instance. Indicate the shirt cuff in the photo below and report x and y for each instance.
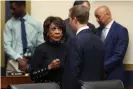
(17, 56)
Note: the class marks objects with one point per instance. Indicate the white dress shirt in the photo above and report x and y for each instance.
(105, 31)
(82, 28)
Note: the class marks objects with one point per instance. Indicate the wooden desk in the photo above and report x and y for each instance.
(7, 80)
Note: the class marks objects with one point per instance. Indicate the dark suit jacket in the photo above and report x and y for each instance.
(85, 60)
(116, 44)
(70, 33)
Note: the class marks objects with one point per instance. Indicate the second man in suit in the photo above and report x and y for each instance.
(115, 38)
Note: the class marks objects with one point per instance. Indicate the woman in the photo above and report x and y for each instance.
(49, 58)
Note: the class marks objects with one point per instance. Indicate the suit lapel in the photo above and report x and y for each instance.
(111, 30)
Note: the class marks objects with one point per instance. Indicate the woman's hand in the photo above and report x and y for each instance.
(22, 64)
(54, 64)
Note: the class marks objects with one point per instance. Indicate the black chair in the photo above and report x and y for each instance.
(35, 86)
(107, 84)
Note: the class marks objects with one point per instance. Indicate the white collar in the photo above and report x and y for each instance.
(82, 28)
(108, 26)
(26, 16)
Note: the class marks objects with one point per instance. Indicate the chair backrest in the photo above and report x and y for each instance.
(107, 84)
(35, 86)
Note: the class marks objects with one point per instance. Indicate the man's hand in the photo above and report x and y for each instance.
(25, 59)
(54, 64)
(22, 64)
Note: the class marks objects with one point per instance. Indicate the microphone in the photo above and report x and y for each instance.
(27, 53)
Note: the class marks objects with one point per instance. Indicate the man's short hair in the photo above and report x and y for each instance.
(19, 3)
(81, 13)
(80, 2)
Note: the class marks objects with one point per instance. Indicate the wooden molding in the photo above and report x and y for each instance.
(2, 29)
(128, 67)
(28, 7)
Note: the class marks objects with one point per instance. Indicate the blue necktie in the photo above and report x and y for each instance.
(23, 35)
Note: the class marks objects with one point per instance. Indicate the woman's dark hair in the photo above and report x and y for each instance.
(56, 21)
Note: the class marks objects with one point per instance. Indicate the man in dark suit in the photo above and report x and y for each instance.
(68, 26)
(86, 52)
(115, 38)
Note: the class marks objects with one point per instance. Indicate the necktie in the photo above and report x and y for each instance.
(23, 35)
(103, 35)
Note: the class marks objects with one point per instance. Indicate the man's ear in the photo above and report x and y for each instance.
(75, 20)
